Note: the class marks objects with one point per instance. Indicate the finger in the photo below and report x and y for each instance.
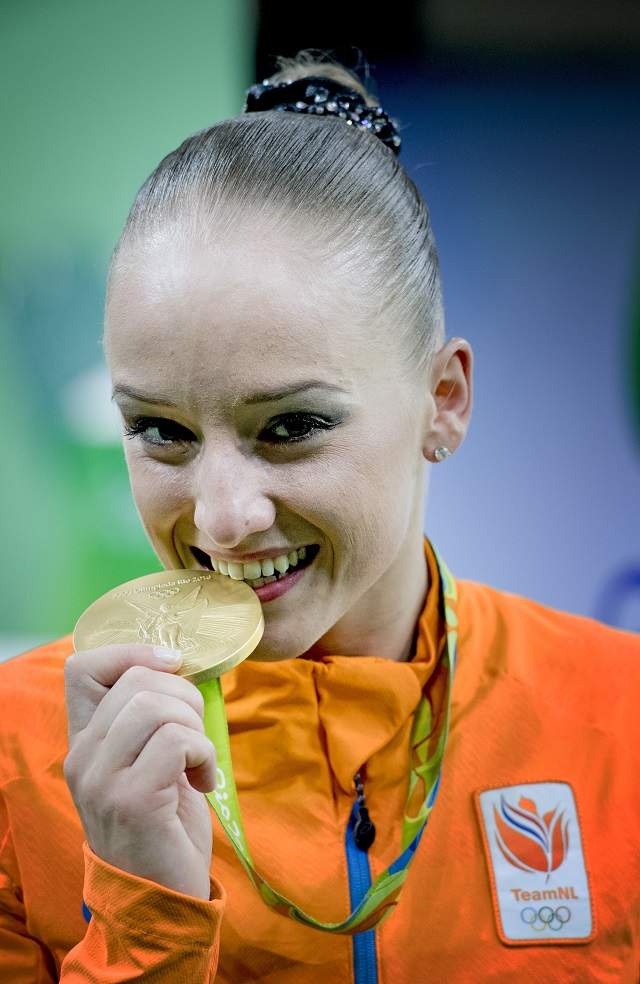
(138, 720)
(170, 751)
(89, 674)
(138, 680)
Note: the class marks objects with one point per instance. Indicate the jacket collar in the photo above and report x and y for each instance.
(342, 708)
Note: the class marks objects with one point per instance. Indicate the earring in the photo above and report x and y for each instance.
(441, 453)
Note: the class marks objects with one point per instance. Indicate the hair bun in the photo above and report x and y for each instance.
(320, 95)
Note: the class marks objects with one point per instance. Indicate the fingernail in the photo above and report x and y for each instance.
(170, 657)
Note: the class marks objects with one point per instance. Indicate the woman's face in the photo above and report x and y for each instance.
(226, 461)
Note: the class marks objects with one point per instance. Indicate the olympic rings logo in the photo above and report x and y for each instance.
(546, 917)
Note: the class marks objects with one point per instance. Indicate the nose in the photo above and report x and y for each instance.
(231, 501)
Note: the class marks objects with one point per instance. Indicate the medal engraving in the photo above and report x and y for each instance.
(214, 621)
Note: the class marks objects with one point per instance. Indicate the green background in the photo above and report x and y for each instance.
(93, 94)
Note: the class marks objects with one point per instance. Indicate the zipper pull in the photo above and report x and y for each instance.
(364, 831)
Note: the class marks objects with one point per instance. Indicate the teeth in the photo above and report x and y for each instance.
(281, 563)
(252, 570)
(258, 572)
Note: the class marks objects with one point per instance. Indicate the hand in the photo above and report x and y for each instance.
(139, 763)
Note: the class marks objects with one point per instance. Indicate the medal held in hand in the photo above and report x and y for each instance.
(216, 623)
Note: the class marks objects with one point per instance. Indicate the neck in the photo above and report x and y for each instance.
(384, 623)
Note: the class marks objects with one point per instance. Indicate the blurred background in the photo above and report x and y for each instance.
(520, 125)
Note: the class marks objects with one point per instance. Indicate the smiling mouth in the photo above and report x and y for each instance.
(311, 553)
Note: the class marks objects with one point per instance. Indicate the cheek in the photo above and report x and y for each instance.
(365, 495)
(383, 469)
(158, 491)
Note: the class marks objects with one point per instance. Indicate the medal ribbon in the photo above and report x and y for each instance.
(425, 767)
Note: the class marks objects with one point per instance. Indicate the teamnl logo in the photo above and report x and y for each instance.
(535, 843)
(540, 889)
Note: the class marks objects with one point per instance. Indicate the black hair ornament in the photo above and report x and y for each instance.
(320, 96)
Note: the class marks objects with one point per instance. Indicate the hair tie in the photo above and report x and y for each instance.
(320, 96)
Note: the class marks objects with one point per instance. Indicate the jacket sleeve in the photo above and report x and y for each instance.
(23, 958)
(138, 929)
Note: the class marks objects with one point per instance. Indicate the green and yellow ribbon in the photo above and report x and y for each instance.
(425, 771)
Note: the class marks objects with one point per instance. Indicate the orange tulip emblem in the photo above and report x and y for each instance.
(529, 841)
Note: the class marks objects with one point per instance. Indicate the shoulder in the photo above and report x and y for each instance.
(494, 614)
(33, 731)
(592, 666)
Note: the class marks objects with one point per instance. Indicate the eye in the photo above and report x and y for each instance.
(297, 427)
(142, 426)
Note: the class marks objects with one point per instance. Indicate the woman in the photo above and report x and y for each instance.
(274, 332)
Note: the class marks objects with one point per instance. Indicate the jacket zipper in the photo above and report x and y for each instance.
(365, 963)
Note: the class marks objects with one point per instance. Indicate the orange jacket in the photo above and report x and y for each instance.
(542, 700)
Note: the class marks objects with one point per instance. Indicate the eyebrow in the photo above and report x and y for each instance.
(264, 396)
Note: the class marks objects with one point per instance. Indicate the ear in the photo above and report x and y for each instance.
(451, 397)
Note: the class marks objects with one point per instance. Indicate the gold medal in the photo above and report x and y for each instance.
(214, 621)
